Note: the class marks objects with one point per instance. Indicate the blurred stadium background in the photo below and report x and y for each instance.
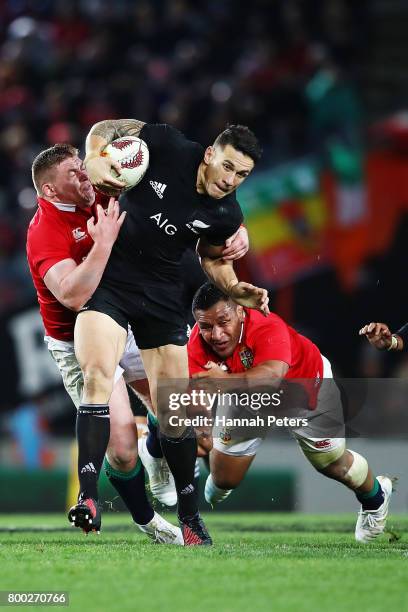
(324, 85)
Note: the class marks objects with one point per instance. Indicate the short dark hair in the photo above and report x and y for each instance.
(48, 159)
(242, 139)
(206, 296)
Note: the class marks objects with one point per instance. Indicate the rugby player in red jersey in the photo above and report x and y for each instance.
(69, 241)
(229, 341)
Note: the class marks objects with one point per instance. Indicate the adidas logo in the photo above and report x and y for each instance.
(89, 467)
(187, 490)
(158, 187)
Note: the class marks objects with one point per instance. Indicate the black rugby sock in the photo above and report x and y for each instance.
(181, 454)
(93, 431)
(197, 472)
(153, 439)
(131, 488)
(373, 499)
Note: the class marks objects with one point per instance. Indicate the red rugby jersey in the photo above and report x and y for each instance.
(56, 233)
(264, 339)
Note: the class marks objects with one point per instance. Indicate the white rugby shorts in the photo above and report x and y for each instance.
(225, 442)
(63, 353)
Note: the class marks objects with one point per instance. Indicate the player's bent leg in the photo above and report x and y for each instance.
(226, 473)
(352, 470)
(229, 462)
(122, 449)
(179, 443)
(122, 467)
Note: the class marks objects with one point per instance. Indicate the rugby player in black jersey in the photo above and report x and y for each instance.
(186, 195)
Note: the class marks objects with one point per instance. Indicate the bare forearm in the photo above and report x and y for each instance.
(80, 284)
(106, 131)
(220, 272)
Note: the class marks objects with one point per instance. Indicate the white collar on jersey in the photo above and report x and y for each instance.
(64, 207)
(242, 329)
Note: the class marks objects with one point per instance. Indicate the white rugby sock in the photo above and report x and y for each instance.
(213, 494)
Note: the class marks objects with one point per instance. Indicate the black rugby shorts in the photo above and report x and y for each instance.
(155, 313)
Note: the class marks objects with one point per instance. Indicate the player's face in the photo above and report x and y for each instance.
(71, 183)
(220, 327)
(225, 169)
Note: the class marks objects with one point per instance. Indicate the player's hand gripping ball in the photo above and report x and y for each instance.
(132, 154)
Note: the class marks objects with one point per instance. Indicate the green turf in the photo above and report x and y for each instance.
(259, 562)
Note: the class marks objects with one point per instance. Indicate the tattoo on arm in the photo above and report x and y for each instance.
(116, 128)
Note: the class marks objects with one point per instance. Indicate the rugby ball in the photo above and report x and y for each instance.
(132, 154)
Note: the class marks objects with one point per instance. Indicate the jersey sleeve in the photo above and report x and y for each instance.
(196, 354)
(271, 342)
(225, 221)
(45, 254)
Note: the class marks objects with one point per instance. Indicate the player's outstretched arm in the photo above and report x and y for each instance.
(271, 370)
(102, 133)
(72, 284)
(380, 336)
(222, 274)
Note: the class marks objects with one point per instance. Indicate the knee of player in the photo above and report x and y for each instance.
(332, 463)
(122, 459)
(349, 468)
(355, 470)
(95, 375)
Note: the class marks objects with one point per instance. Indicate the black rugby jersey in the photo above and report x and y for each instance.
(165, 214)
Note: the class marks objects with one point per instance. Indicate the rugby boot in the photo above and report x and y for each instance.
(371, 523)
(86, 514)
(162, 532)
(194, 531)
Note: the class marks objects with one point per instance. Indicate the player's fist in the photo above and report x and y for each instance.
(378, 335)
(100, 169)
(250, 296)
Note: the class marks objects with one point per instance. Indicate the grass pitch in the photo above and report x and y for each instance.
(259, 562)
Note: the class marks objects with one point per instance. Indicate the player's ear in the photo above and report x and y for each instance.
(240, 313)
(48, 190)
(209, 154)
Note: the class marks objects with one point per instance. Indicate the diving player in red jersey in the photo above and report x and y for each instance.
(231, 342)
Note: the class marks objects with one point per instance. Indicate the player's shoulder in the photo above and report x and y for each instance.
(222, 217)
(257, 321)
(228, 208)
(194, 338)
(45, 227)
(165, 136)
